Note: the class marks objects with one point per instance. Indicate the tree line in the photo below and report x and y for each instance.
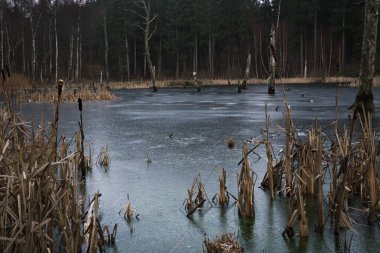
(92, 39)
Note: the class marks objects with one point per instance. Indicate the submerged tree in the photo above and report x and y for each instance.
(367, 69)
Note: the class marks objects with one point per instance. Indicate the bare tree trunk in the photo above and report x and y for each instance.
(315, 44)
(135, 60)
(2, 36)
(145, 4)
(272, 62)
(301, 57)
(306, 55)
(246, 74)
(323, 67)
(127, 51)
(177, 65)
(209, 56)
(56, 44)
(107, 75)
(50, 51)
(78, 49)
(159, 59)
(144, 67)
(343, 38)
(9, 49)
(120, 62)
(23, 46)
(33, 71)
(71, 56)
(330, 59)
(195, 53)
(255, 50)
(80, 58)
(364, 96)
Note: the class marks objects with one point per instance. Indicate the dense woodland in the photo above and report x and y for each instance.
(84, 40)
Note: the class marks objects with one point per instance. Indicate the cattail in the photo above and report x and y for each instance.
(80, 104)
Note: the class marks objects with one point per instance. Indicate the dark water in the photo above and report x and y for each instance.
(137, 127)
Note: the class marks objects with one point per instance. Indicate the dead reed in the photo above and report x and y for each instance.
(103, 159)
(72, 95)
(226, 243)
(246, 186)
(306, 162)
(231, 142)
(197, 196)
(41, 206)
(223, 197)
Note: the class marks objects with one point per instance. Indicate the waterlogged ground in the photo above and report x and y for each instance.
(183, 133)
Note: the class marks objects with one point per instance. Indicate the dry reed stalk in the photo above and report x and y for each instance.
(369, 170)
(226, 243)
(39, 209)
(289, 144)
(223, 196)
(268, 148)
(128, 211)
(104, 158)
(246, 184)
(70, 95)
(231, 142)
(193, 203)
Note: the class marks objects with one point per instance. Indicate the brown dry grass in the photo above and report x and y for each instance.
(226, 243)
(72, 95)
(40, 204)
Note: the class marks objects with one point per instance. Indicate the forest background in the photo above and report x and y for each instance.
(84, 40)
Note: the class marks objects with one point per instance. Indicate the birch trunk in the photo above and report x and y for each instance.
(367, 69)
(272, 62)
(246, 74)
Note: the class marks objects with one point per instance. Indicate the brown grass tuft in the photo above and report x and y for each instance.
(226, 243)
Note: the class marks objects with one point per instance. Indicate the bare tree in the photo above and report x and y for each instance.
(148, 19)
(273, 55)
(33, 30)
(364, 96)
(106, 48)
(78, 44)
(127, 50)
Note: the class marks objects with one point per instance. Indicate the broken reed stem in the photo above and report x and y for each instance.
(82, 163)
(246, 187)
(223, 196)
(269, 154)
(192, 203)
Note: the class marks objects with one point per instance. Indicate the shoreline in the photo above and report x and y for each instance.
(182, 83)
